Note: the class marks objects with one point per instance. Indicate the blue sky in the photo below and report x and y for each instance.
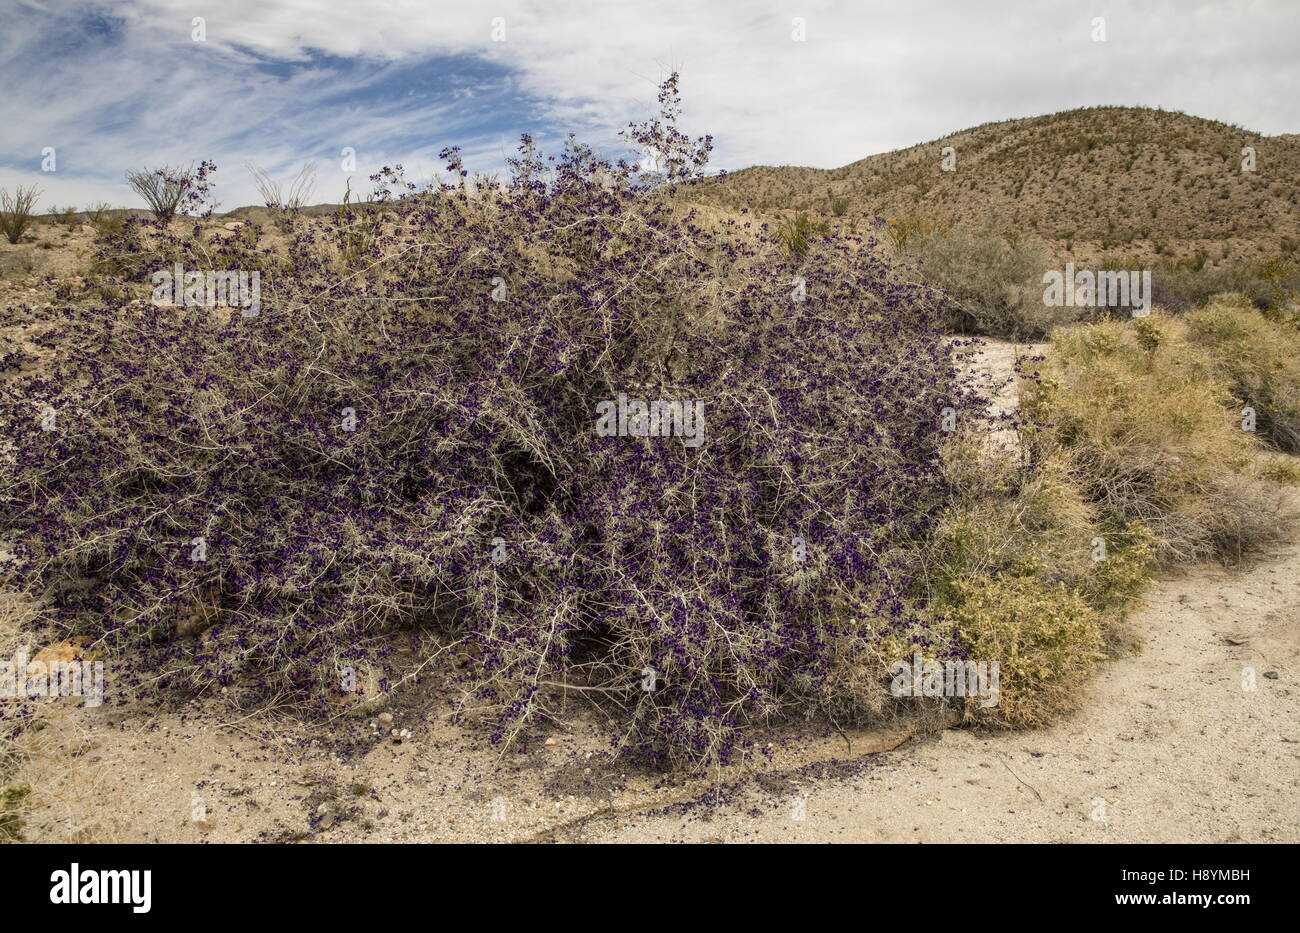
(278, 83)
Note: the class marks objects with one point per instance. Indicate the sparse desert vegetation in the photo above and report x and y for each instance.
(16, 211)
(368, 473)
(1100, 179)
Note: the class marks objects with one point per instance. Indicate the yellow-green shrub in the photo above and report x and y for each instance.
(1045, 639)
(13, 799)
(1142, 415)
(1258, 359)
(1035, 520)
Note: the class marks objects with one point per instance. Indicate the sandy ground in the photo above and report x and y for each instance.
(1170, 746)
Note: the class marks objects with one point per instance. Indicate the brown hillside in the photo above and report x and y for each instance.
(1098, 179)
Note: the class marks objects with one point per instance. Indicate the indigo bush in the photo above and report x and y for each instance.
(404, 439)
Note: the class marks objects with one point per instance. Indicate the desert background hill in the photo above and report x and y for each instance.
(1129, 181)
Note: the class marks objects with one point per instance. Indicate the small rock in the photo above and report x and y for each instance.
(234, 225)
(385, 719)
(550, 741)
(1271, 675)
(74, 650)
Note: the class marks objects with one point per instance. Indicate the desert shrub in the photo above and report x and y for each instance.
(911, 229)
(1181, 286)
(1009, 515)
(1279, 287)
(168, 191)
(16, 211)
(63, 215)
(13, 800)
(796, 234)
(105, 219)
(133, 246)
(993, 284)
(1045, 639)
(1280, 468)
(283, 201)
(1138, 410)
(1258, 359)
(258, 502)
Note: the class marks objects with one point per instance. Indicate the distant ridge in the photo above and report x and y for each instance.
(1124, 179)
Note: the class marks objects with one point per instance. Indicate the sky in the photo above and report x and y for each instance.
(112, 86)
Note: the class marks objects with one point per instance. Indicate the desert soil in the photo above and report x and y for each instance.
(1194, 739)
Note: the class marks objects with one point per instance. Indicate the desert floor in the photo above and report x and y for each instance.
(1169, 746)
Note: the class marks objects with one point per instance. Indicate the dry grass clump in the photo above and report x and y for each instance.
(1140, 412)
(1045, 639)
(1260, 361)
(1032, 519)
(796, 234)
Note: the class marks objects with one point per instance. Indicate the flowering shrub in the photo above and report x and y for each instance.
(404, 438)
(169, 191)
